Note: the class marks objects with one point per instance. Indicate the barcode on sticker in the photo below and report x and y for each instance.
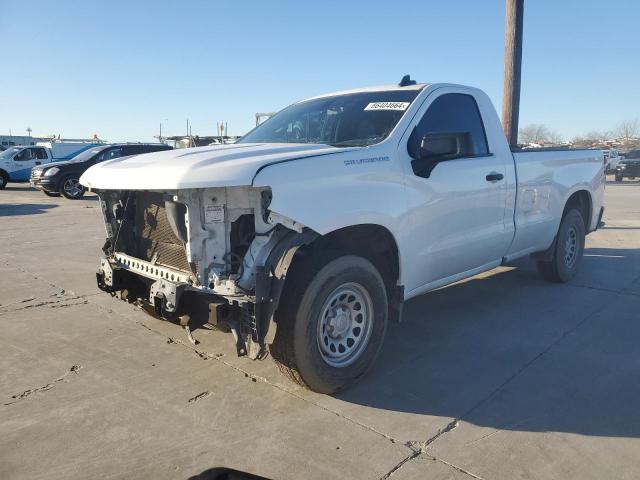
(402, 106)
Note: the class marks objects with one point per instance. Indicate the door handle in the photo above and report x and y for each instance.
(38, 163)
(494, 177)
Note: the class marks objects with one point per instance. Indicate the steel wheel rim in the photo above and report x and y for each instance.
(571, 247)
(345, 324)
(72, 187)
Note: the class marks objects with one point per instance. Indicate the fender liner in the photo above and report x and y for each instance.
(270, 280)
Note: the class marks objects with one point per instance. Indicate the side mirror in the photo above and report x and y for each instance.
(441, 146)
(438, 147)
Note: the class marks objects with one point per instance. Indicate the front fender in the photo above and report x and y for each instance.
(326, 194)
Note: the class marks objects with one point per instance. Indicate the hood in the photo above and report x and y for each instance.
(58, 163)
(202, 167)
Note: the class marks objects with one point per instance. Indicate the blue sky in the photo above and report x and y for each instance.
(119, 68)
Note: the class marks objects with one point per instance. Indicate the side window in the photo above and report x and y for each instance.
(24, 155)
(132, 150)
(41, 154)
(154, 148)
(452, 113)
(110, 154)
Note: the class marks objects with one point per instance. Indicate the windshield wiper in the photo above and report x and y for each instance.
(363, 142)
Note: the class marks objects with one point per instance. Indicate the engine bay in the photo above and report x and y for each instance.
(200, 256)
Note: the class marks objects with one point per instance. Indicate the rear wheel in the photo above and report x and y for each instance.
(71, 188)
(51, 194)
(4, 179)
(568, 250)
(331, 321)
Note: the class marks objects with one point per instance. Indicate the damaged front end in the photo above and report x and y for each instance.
(196, 256)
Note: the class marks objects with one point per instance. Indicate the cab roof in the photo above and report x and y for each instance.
(379, 88)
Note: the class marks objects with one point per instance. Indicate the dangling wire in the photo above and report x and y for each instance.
(124, 217)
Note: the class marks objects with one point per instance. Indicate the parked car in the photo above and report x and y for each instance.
(63, 177)
(307, 235)
(16, 162)
(629, 167)
(611, 159)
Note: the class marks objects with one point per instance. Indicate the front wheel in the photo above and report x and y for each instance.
(331, 322)
(4, 179)
(568, 250)
(618, 178)
(51, 194)
(71, 188)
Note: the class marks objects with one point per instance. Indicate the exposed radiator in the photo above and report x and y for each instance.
(155, 238)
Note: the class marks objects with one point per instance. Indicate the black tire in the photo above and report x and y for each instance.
(568, 251)
(4, 179)
(618, 178)
(68, 191)
(301, 321)
(51, 194)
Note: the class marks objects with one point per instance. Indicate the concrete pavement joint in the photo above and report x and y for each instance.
(402, 463)
(200, 396)
(420, 448)
(456, 467)
(608, 290)
(35, 277)
(61, 301)
(20, 396)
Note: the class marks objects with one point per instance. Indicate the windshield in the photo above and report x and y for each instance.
(86, 155)
(357, 119)
(9, 153)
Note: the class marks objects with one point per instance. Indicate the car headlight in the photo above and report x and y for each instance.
(622, 166)
(51, 171)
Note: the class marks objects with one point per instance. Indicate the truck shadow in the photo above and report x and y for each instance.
(17, 209)
(510, 351)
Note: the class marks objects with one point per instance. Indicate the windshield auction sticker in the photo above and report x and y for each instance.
(402, 106)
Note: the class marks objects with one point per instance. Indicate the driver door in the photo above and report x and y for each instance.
(457, 205)
(23, 162)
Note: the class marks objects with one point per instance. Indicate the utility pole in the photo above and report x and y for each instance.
(512, 69)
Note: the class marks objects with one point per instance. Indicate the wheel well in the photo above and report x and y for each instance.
(373, 242)
(580, 200)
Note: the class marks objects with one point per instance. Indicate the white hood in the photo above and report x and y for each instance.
(202, 167)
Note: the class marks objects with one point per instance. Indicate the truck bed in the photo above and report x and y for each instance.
(545, 179)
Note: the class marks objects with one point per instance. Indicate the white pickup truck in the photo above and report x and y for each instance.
(307, 235)
(16, 162)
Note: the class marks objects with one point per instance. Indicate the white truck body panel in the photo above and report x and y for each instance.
(200, 167)
(451, 225)
(545, 181)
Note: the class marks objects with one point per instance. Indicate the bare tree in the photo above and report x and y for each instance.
(628, 129)
(534, 133)
(555, 137)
